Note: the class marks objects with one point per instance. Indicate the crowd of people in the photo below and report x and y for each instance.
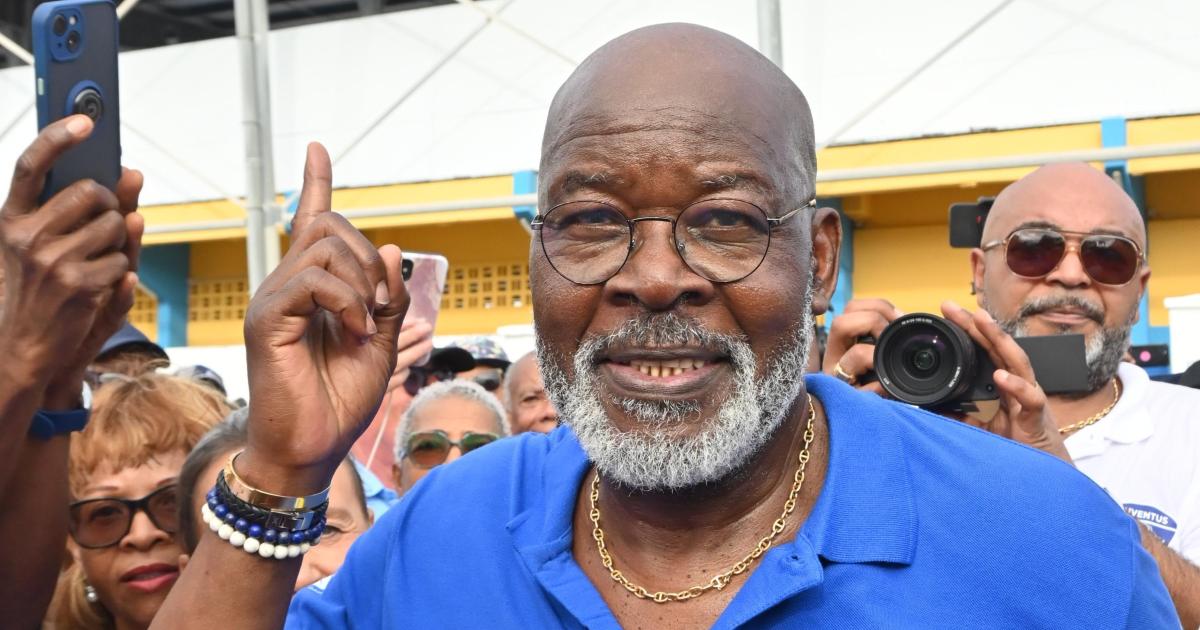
(715, 466)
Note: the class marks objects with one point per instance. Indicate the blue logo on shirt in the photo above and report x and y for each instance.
(1162, 525)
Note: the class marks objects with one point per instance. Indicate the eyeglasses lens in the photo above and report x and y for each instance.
(1108, 259)
(723, 239)
(472, 441)
(585, 241)
(428, 449)
(100, 523)
(1034, 253)
(490, 382)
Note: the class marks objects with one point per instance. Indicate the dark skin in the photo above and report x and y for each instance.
(72, 259)
(321, 332)
(663, 140)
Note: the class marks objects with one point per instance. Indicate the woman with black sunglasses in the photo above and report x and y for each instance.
(123, 518)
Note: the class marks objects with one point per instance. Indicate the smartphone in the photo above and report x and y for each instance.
(75, 63)
(425, 278)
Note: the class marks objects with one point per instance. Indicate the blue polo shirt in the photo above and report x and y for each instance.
(923, 523)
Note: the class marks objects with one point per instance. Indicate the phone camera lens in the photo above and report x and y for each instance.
(73, 41)
(89, 104)
(60, 25)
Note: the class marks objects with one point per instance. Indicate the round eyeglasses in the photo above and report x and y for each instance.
(722, 240)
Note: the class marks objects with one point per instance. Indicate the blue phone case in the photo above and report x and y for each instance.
(64, 72)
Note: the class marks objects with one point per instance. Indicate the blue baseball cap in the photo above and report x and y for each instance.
(130, 338)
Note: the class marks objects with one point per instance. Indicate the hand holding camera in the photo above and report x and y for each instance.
(955, 367)
(1023, 415)
(850, 348)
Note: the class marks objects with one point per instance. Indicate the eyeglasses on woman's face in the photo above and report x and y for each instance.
(103, 522)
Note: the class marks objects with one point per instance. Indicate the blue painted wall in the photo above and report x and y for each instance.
(164, 270)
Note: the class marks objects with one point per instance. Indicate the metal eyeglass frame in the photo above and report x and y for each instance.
(1068, 248)
(134, 506)
(772, 223)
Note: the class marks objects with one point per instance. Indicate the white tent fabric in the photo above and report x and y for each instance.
(1035, 62)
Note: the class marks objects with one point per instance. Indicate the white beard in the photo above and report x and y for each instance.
(657, 457)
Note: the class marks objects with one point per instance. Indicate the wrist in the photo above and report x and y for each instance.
(264, 474)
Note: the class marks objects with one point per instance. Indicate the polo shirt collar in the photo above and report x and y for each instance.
(867, 510)
(1129, 422)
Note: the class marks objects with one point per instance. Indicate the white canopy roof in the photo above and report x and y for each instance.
(873, 70)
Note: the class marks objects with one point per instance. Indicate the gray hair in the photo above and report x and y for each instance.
(461, 389)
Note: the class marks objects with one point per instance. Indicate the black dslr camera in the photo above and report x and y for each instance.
(928, 361)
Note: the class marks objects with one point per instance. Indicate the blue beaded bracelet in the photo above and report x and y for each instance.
(252, 538)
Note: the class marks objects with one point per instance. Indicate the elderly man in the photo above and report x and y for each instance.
(700, 480)
(529, 407)
(1063, 252)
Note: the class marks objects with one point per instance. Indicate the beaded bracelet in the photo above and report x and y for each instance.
(254, 537)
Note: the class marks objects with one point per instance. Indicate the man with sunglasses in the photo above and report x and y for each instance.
(699, 478)
(1063, 252)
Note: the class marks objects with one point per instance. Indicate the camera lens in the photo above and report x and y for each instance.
(73, 41)
(60, 25)
(88, 103)
(924, 360)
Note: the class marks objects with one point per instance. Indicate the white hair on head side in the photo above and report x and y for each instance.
(461, 389)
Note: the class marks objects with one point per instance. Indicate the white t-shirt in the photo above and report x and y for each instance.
(1146, 454)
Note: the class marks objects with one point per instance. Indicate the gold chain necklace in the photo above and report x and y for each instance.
(719, 581)
(1065, 431)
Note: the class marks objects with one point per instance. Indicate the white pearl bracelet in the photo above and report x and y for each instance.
(250, 545)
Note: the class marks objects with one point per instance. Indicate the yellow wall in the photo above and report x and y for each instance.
(473, 245)
(900, 240)
(1174, 263)
(914, 267)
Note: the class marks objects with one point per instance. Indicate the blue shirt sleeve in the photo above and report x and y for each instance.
(354, 597)
(1150, 605)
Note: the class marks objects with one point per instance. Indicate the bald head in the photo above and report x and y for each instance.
(700, 82)
(1071, 196)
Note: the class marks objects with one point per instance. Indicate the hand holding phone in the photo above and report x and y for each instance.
(69, 228)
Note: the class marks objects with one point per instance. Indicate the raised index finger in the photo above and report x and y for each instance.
(316, 196)
(29, 175)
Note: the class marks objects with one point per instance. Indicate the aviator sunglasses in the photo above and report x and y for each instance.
(1035, 252)
(103, 522)
(431, 448)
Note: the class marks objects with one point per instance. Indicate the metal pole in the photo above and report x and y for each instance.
(243, 15)
(770, 37)
(271, 210)
(15, 49)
